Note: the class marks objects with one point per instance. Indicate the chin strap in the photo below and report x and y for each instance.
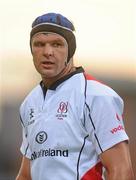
(66, 63)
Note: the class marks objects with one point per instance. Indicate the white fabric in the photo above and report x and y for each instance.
(65, 132)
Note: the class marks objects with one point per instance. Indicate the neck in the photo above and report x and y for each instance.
(67, 70)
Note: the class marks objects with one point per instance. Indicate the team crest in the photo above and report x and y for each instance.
(62, 110)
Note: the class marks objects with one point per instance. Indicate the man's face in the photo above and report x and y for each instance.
(50, 52)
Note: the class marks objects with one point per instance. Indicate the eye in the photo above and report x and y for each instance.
(57, 44)
(38, 44)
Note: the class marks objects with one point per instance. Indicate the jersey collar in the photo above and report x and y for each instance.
(61, 80)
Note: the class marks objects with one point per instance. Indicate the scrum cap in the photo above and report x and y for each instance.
(56, 23)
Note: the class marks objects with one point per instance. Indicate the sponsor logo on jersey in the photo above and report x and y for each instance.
(119, 128)
(119, 118)
(41, 137)
(62, 110)
(49, 152)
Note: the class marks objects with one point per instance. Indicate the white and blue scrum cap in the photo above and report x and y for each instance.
(56, 23)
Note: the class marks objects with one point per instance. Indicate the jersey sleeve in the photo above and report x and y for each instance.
(25, 150)
(104, 122)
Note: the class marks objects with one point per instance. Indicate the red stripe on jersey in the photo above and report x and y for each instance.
(94, 173)
(89, 77)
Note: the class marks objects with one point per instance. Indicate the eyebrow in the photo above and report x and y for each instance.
(51, 41)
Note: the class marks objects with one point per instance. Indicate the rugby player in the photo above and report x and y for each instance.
(72, 124)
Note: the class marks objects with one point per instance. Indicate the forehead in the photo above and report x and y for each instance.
(48, 37)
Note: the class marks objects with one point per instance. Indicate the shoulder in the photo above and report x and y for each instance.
(101, 94)
(30, 98)
(98, 88)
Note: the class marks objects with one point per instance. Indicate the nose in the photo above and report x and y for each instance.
(47, 50)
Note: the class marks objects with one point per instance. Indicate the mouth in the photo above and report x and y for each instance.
(47, 64)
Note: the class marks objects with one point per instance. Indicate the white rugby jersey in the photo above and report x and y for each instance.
(67, 127)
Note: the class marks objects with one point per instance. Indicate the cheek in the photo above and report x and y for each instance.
(66, 53)
(35, 61)
(62, 60)
(64, 56)
(36, 56)
(36, 52)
